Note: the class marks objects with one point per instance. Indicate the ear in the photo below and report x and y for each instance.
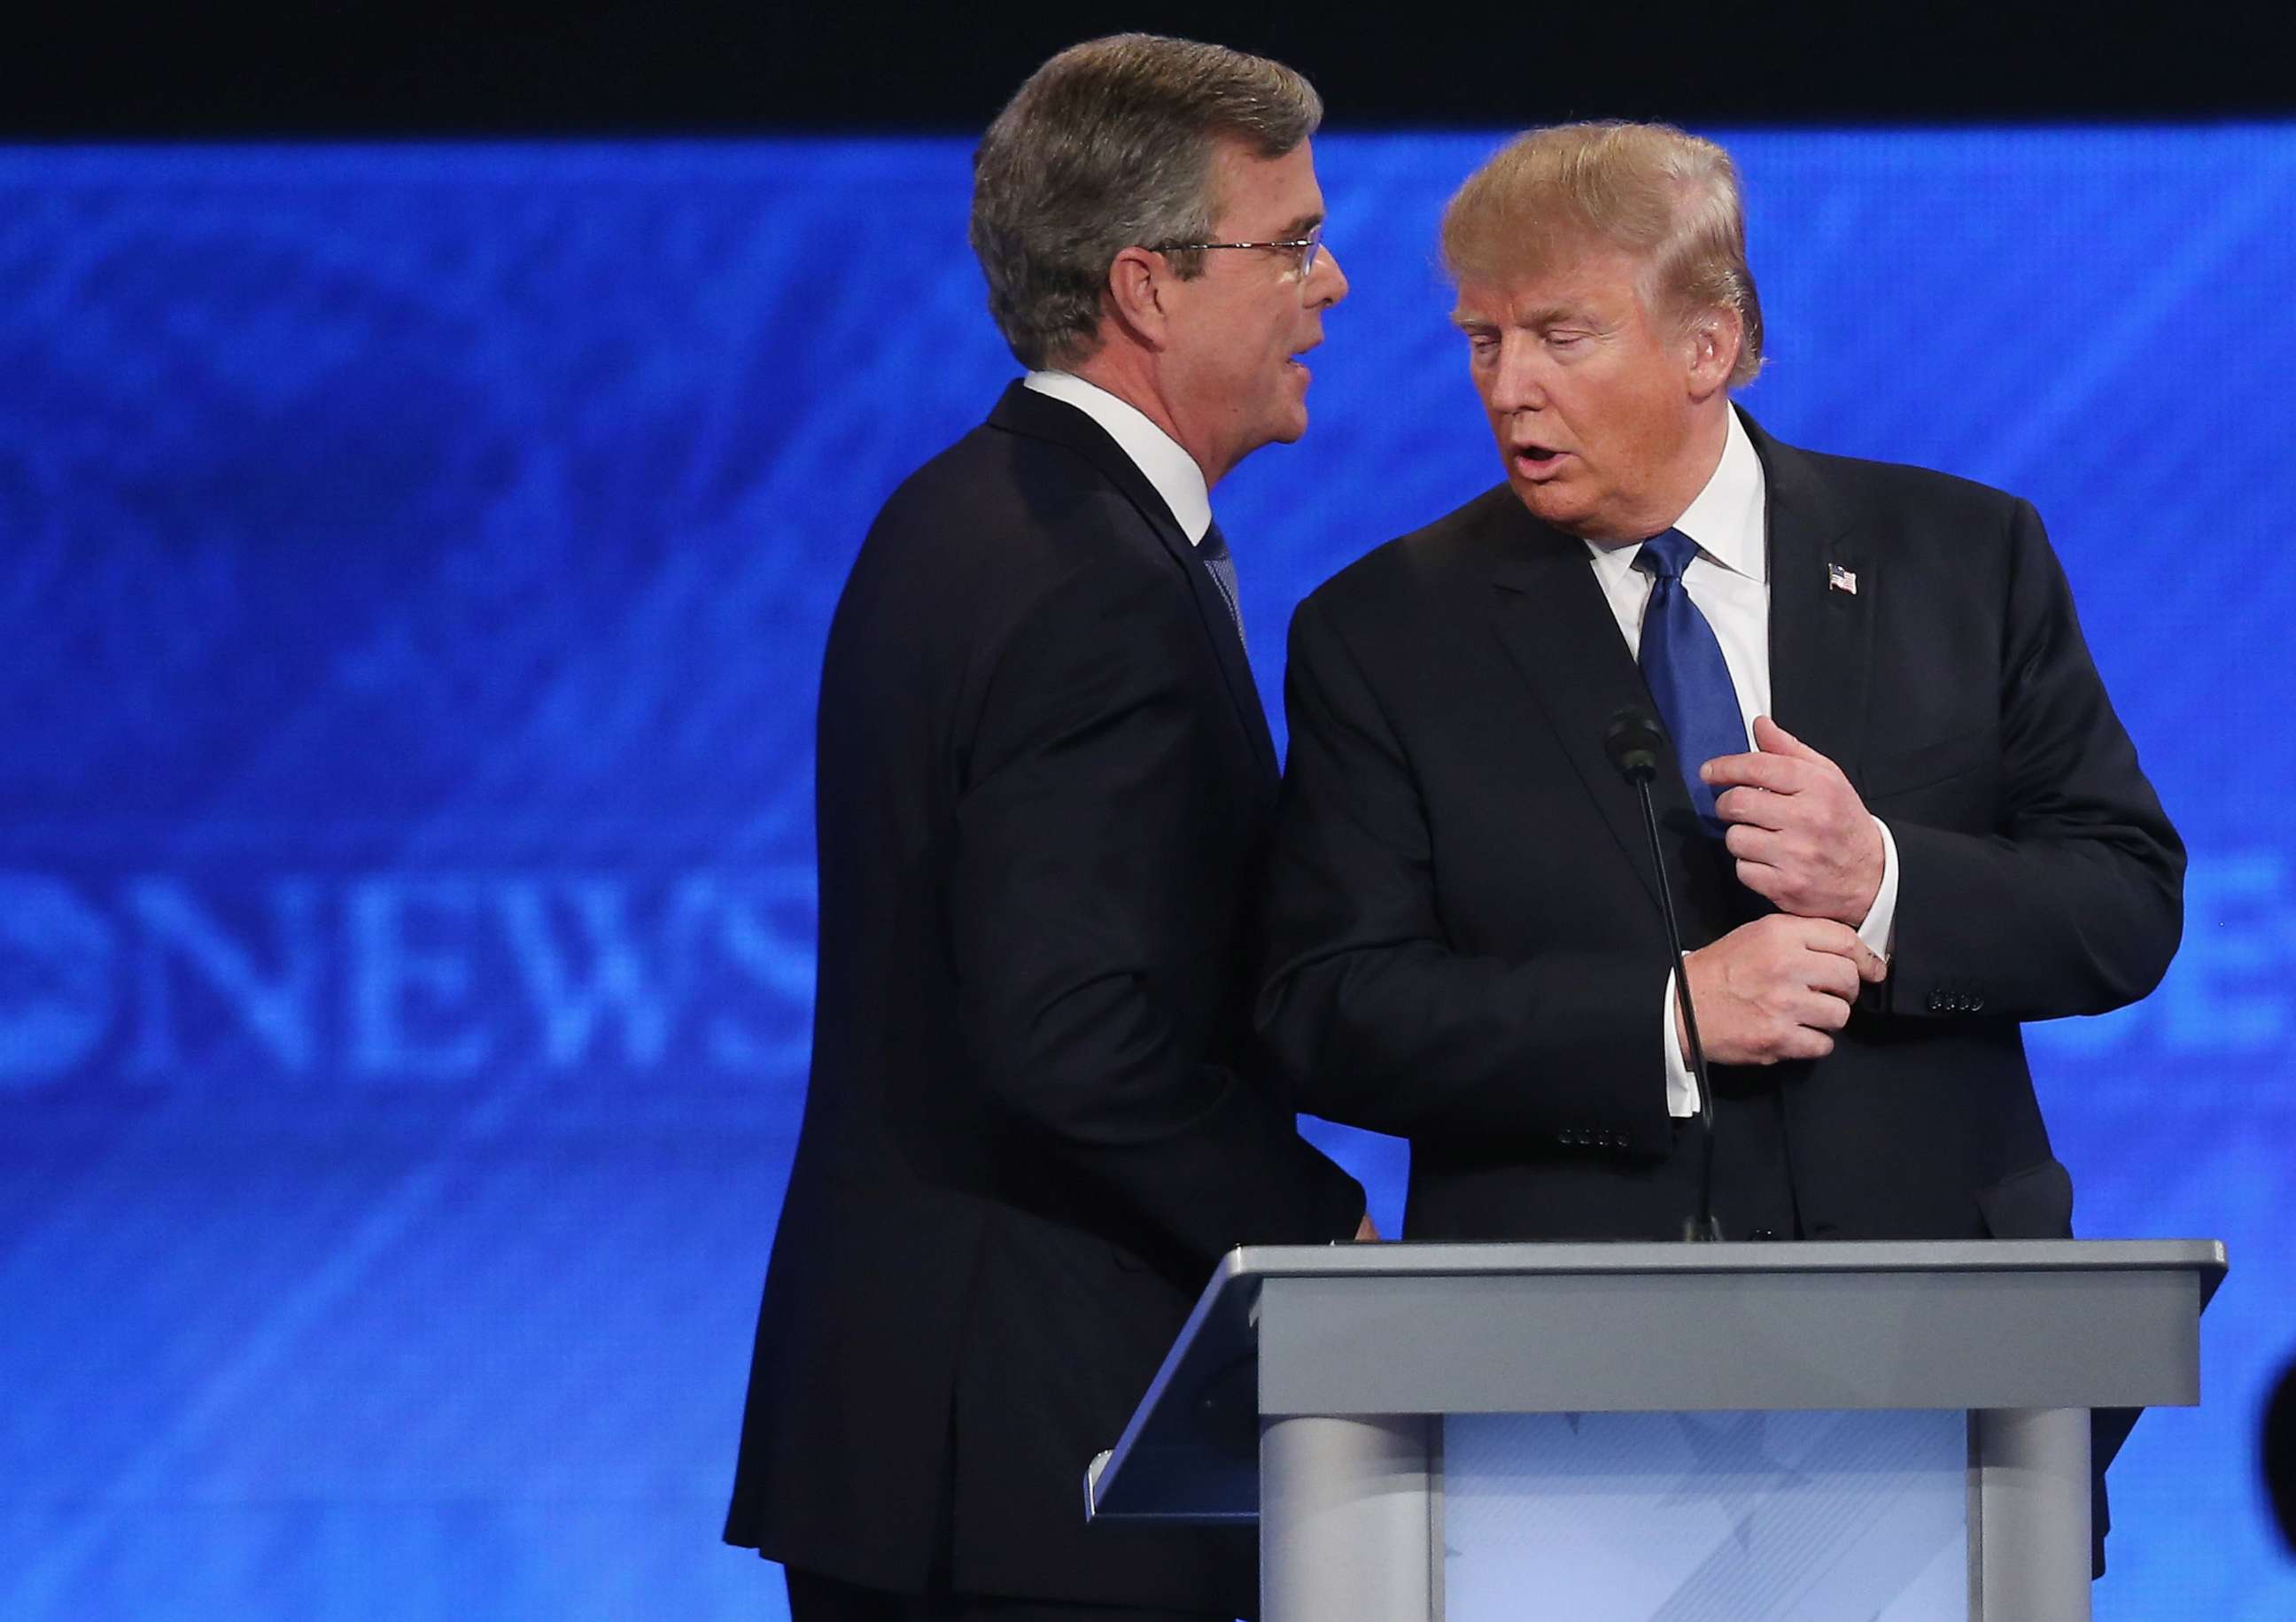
(1714, 337)
(1138, 295)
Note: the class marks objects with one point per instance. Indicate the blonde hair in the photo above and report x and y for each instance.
(1668, 198)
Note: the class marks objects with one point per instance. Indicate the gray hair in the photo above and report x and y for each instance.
(1110, 145)
(1670, 199)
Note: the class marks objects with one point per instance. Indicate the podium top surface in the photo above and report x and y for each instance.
(1247, 1264)
(1440, 1327)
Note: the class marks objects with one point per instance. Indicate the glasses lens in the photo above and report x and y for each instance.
(1314, 245)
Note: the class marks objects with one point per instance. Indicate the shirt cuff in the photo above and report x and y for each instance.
(1880, 930)
(1681, 1085)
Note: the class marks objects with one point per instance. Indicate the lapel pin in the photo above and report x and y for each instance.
(1840, 579)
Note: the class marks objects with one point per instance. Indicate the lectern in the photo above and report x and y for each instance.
(1598, 1431)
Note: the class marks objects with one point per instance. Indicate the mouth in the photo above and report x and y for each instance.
(1536, 462)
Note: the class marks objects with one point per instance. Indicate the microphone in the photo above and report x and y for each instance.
(1635, 743)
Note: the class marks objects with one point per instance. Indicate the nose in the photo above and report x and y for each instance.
(1327, 283)
(1517, 379)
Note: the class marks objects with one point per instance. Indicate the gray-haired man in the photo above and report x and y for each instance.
(1044, 786)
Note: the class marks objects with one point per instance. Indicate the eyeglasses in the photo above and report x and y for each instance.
(1304, 248)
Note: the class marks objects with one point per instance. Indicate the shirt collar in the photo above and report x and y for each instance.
(1725, 517)
(1156, 454)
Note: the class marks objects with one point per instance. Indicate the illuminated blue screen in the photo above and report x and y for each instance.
(416, 564)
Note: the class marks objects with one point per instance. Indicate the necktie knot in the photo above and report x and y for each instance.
(1667, 555)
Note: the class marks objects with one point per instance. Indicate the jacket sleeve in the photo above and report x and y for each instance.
(1382, 1022)
(2074, 902)
(1094, 906)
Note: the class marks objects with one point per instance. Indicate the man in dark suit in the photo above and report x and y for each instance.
(1045, 787)
(1902, 817)
(2279, 1453)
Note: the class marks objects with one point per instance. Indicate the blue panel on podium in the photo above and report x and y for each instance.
(1795, 1517)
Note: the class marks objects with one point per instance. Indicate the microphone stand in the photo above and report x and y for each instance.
(1702, 1227)
(1634, 742)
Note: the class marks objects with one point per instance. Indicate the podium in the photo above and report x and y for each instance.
(1597, 1431)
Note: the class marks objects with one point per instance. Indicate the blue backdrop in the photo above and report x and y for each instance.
(416, 563)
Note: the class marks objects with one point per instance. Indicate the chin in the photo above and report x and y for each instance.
(1546, 504)
(1571, 517)
(1289, 428)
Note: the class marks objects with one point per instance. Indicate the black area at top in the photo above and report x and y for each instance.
(368, 67)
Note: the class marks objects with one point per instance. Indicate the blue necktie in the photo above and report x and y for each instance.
(1213, 550)
(1683, 664)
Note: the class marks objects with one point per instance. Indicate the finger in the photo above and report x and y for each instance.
(1823, 1013)
(1837, 977)
(1765, 880)
(1755, 808)
(1772, 739)
(1832, 935)
(1803, 1043)
(1870, 966)
(1779, 773)
(1751, 843)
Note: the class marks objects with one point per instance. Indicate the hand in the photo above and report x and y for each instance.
(1802, 837)
(1367, 1234)
(1775, 988)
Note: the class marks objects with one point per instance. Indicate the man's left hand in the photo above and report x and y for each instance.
(1801, 836)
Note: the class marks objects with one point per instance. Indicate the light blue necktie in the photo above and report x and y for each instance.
(1213, 550)
(1682, 662)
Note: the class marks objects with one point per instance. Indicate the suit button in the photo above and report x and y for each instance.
(1976, 1004)
(1763, 1234)
(1936, 1002)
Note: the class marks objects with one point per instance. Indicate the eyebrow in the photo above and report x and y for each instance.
(1299, 228)
(1546, 316)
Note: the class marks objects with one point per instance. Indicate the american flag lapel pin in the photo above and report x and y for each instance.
(1840, 579)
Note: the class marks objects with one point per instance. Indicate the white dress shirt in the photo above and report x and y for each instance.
(1155, 453)
(1729, 580)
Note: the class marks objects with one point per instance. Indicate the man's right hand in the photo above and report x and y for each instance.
(1775, 988)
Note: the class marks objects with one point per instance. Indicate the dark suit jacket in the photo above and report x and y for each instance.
(1034, 1122)
(1466, 943)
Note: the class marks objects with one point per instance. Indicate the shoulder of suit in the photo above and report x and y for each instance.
(1015, 501)
(1901, 490)
(1425, 561)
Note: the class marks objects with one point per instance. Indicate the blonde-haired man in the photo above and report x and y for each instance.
(1903, 816)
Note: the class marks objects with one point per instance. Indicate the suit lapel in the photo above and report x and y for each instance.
(1561, 636)
(1023, 410)
(1821, 631)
